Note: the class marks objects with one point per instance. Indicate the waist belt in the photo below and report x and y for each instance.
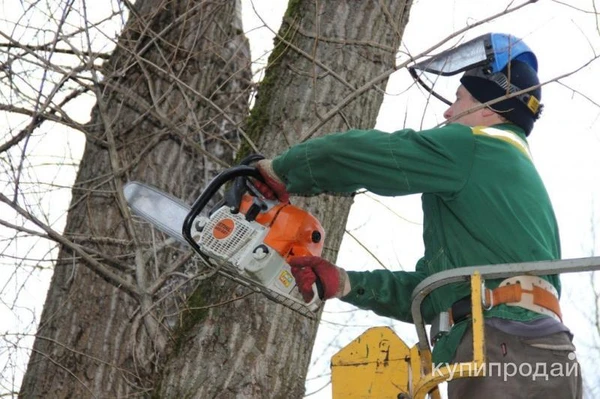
(529, 292)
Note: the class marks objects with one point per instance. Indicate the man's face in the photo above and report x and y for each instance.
(464, 102)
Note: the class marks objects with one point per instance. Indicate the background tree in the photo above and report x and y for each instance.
(127, 313)
(169, 101)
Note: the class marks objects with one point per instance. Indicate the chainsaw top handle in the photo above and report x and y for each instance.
(233, 196)
(212, 189)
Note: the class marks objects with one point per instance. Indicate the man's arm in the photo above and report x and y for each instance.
(384, 292)
(399, 163)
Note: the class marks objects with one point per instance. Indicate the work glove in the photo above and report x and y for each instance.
(306, 270)
(273, 187)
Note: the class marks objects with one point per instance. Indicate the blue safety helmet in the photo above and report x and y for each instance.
(494, 65)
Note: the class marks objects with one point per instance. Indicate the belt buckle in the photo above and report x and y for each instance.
(440, 326)
(484, 304)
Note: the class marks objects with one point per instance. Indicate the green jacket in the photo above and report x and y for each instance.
(483, 203)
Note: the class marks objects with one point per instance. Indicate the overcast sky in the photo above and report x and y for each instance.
(565, 145)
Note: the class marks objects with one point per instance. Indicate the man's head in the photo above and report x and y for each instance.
(522, 110)
(495, 66)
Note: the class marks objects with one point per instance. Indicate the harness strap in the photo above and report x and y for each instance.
(529, 292)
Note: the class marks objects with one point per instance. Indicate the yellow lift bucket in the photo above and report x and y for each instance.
(379, 365)
(374, 365)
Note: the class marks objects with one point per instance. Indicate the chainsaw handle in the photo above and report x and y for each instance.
(319, 289)
(233, 196)
(212, 189)
(318, 295)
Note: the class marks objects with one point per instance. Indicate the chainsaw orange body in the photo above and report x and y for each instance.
(292, 231)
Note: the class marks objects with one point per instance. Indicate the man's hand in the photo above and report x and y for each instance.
(273, 187)
(306, 269)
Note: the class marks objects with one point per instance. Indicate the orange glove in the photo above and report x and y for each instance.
(273, 187)
(306, 270)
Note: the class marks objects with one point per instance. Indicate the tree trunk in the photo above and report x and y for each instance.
(114, 334)
(168, 111)
(325, 51)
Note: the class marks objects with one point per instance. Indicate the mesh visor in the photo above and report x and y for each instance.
(490, 53)
(450, 62)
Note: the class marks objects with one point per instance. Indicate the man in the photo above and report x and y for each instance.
(483, 203)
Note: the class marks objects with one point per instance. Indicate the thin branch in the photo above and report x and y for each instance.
(372, 197)
(83, 354)
(219, 304)
(188, 279)
(48, 48)
(65, 369)
(577, 8)
(39, 117)
(96, 266)
(158, 283)
(23, 229)
(366, 249)
(580, 93)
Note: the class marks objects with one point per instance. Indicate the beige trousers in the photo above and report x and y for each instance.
(519, 367)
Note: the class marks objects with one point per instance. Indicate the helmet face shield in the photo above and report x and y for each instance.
(441, 87)
(464, 57)
(489, 53)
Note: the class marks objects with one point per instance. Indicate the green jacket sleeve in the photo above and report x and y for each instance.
(404, 162)
(385, 292)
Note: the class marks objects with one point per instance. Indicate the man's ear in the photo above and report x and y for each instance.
(487, 112)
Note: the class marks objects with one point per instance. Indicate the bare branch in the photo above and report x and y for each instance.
(94, 264)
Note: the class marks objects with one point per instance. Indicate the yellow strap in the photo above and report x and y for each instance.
(506, 136)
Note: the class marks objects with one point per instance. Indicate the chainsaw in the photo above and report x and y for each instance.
(245, 237)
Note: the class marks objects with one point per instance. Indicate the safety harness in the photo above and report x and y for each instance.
(528, 292)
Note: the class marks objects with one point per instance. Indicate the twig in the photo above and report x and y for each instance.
(96, 266)
(366, 249)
